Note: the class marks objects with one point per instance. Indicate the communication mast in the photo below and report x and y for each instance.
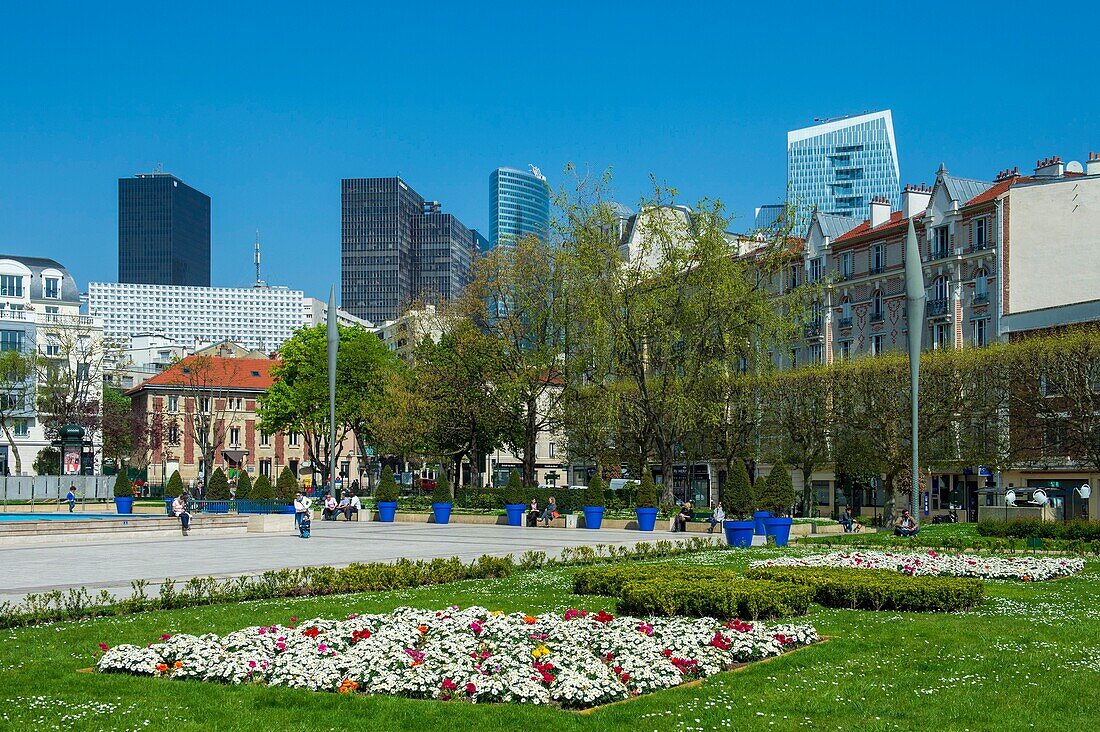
(259, 282)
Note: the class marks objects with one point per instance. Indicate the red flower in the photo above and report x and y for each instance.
(165, 636)
(103, 647)
(603, 617)
(449, 685)
(311, 632)
(471, 689)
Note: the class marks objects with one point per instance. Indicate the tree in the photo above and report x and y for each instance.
(298, 399)
(218, 487)
(286, 486)
(47, 462)
(244, 485)
(123, 487)
(174, 487)
(513, 491)
(17, 374)
(206, 383)
(443, 493)
(262, 489)
(778, 492)
(647, 491)
(737, 498)
(593, 494)
(70, 375)
(797, 418)
(387, 487)
(517, 300)
(119, 426)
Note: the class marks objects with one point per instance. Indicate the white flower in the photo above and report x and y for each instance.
(934, 564)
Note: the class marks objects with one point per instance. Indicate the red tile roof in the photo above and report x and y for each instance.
(998, 188)
(217, 371)
(895, 221)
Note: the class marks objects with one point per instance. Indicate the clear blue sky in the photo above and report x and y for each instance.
(265, 107)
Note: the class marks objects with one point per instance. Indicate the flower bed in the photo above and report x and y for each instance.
(1027, 569)
(574, 660)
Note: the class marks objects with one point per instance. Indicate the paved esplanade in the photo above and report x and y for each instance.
(111, 565)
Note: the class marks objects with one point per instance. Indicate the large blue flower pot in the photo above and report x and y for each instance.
(593, 517)
(124, 504)
(386, 510)
(758, 521)
(779, 528)
(647, 517)
(515, 513)
(168, 501)
(739, 533)
(442, 512)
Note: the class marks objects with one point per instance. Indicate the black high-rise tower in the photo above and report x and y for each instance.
(163, 231)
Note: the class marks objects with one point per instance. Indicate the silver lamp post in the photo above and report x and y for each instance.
(915, 297)
(333, 349)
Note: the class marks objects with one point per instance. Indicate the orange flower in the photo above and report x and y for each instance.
(162, 667)
(423, 629)
(347, 686)
(530, 619)
(177, 664)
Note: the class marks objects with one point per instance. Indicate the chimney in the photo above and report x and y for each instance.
(1092, 166)
(1049, 167)
(915, 199)
(880, 211)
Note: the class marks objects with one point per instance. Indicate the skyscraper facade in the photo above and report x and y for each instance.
(519, 204)
(163, 231)
(396, 248)
(837, 167)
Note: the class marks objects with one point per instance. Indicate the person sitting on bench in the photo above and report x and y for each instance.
(905, 525)
(328, 513)
(533, 513)
(846, 520)
(352, 509)
(683, 517)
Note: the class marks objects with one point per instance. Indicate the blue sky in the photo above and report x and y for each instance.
(266, 106)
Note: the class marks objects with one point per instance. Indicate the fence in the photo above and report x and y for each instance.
(52, 488)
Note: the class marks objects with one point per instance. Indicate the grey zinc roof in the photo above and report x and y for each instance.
(833, 225)
(963, 189)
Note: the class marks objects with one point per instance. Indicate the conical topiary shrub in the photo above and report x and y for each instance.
(218, 488)
(513, 492)
(737, 498)
(387, 487)
(175, 485)
(262, 490)
(244, 486)
(647, 491)
(444, 493)
(593, 494)
(286, 486)
(123, 487)
(777, 494)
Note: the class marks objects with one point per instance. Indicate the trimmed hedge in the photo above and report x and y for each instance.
(1076, 530)
(386, 492)
(175, 485)
(244, 486)
(123, 487)
(262, 490)
(878, 589)
(692, 591)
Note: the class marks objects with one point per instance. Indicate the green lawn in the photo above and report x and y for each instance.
(1029, 658)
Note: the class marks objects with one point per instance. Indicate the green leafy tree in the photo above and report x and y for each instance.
(513, 492)
(47, 462)
(387, 487)
(118, 425)
(594, 495)
(647, 491)
(262, 489)
(286, 486)
(244, 485)
(174, 487)
(796, 422)
(218, 487)
(123, 487)
(444, 493)
(298, 399)
(777, 494)
(17, 374)
(737, 497)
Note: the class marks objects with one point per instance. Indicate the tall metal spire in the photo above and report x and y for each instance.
(259, 282)
(915, 297)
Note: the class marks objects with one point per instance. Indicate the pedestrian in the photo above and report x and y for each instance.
(70, 497)
(550, 512)
(905, 525)
(301, 508)
(179, 510)
(717, 516)
(847, 520)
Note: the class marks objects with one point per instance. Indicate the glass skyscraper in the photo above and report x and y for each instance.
(396, 248)
(840, 165)
(519, 204)
(163, 231)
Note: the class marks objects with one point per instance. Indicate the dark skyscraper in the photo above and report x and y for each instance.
(163, 231)
(395, 248)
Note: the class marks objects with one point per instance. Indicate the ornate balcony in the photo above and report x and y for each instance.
(938, 307)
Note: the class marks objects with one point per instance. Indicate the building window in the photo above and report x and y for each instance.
(265, 467)
(292, 439)
(815, 269)
(981, 332)
(794, 276)
(11, 285)
(846, 265)
(846, 308)
(823, 491)
(550, 450)
(981, 286)
(235, 436)
(939, 288)
(979, 231)
(939, 242)
(173, 433)
(173, 403)
(53, 345)
(813, 353)
(877, 344)
(876, 306)
(204, 405)
(941, 335)
(878, 258)
(51, 288)
(20, 427)
(845, 351)
(12, 340)
(265, 439)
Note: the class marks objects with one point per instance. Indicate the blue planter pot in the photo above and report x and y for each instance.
(779, 528)
(758, 521)
(124, 504)
(442, 512)
(739, 533)
(515, 513)
(647, 517)
(386, 510)
(593, 517)
(168, 505)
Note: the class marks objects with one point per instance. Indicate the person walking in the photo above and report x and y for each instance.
(179, 510)
(70, 497)
(302, 504)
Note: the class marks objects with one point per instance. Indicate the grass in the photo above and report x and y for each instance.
(1028, 658)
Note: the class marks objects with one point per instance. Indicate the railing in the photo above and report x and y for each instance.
(940, 252)
(878, 269)
(844, 322)
(878, 317)
(812, 330)
(937, 307)
(981, 298)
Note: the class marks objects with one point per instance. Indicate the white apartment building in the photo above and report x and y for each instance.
(315, 311)
(258, 318)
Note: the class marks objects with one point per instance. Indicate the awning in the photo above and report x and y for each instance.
(234, 456)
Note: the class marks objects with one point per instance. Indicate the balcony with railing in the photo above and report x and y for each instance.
(877, 269)
(812, 329)
(940, 253)
(844, 322)
(877, 316)
(938, 307)
(981, 298)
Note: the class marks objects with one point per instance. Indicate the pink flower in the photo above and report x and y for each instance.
(476, 627)
(471, 689)
(252, 664)
(165, 636)
(103, 647)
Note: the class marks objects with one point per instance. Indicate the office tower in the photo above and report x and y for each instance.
(519, 204)
(397, 248)
(838, 166)
(163, 231)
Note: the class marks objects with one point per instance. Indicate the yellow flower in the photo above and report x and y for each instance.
(497, 612)
(540, 652)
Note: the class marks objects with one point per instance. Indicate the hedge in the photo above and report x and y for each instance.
(875, 589)
(1076, 530)
(714, 597)
(610, 580)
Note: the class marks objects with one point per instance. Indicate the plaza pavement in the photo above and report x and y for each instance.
(111, 565)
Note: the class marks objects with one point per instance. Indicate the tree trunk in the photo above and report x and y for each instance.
(809, 501)
(530, 437)
(14, 451)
